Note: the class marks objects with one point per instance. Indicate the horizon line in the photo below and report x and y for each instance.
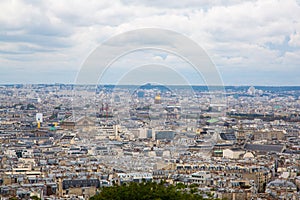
(150, 84)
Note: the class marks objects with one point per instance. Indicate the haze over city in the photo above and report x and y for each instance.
(135, 100)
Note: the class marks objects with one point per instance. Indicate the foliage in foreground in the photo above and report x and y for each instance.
(145, 190)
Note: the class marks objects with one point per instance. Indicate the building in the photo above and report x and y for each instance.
(233, 153)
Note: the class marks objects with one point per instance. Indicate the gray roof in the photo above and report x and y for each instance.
(281, 183)
(264, 147)
(228, 136)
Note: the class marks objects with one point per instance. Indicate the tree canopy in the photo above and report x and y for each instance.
(145, 191)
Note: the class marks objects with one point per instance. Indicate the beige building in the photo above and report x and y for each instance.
(234, 153)
(269, 135)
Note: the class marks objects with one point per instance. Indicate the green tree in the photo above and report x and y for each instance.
(146, 191)
(35, 198)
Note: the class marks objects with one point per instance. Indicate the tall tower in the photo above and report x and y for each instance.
(39, 119)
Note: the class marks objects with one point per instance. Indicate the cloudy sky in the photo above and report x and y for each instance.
(250, 42)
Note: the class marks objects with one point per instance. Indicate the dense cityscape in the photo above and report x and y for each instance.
(150, 100)
(64, 141)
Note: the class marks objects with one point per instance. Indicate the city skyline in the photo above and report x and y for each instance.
(135, 99)
(250, 43)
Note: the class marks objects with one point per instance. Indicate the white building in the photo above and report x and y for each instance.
(233, 153)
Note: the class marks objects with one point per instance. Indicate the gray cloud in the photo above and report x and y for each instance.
(238, 35)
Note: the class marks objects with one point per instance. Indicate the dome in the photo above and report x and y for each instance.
(157, 97)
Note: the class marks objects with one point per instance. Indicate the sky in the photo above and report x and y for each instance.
(249, 42)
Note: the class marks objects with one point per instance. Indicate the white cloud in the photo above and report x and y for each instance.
(250, 35)
(295, 39)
